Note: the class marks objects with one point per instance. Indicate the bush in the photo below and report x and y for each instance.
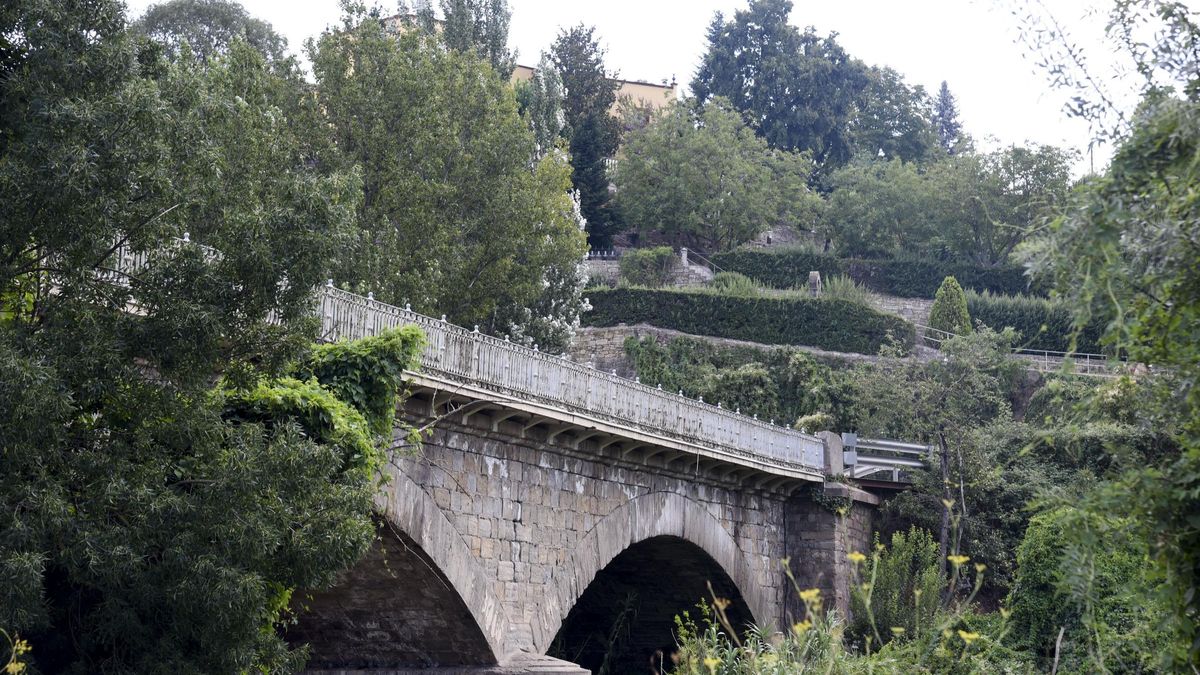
(732, 283)
(1079, 572)
(903, 277)
(905, 591)
(648, 266)
(949, 311)
(1042, 323)
(839, 287)
(835, 325)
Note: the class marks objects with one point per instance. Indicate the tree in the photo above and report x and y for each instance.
(878, 208)
(946, 124)
(479, 26)
(590, 127)
(1124, 250)
(758, 56)
(143, 528)
(209, 27)
(892, 120)
(541, 102)
(454, 219)
(702, 178)
(949, 310)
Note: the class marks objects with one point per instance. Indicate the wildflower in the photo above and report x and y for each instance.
(856, 557)
(811, 595)
(721, 603)
(917, 593)
(958, 559)
(980, 567)
(1005, 613)
(968, 637)
(712, 664)
(20, 646)
(897, 630)
(948, 503)
(14, 668)
(801, 627)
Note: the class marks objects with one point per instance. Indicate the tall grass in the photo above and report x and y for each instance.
(840, 287)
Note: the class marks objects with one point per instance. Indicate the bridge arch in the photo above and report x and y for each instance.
(654, 519)
(417, 599)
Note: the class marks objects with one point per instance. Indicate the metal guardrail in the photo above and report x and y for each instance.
(883, 459)
(1044, 361)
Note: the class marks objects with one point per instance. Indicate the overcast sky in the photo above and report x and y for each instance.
(968, 43)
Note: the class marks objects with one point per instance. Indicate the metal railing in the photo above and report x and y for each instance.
(1040, 360)
(494, 365)
(885, 459)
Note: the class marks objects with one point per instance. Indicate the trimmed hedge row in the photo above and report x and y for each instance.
(906, 278)
(1043, 324)
(835, 325)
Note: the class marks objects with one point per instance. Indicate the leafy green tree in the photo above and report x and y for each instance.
(950, 135)
(454, 219)
(757, 55)
(700, 177)
(479, 26)
(949, 311)
(877, 209)
(209, 28)
(906, 583)
(541, 102)
(144, 529)
(591, 130)
(892, 120)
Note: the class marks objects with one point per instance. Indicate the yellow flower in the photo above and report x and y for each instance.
(801, 627)
(721, 603)
(917, 593)
(897, 630)
(1005, 613)
(958, 559)
(856, 557)
(14, 668)
(968, 637)
(811, 595)
(712, 664)
(948, 503)
(980, 567)
(21, 646)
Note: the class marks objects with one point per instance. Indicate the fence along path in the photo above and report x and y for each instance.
(499, 366)
(493, 365)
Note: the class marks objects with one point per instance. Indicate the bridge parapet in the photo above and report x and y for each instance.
(499, 366)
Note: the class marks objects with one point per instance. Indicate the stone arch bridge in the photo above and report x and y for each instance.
(559, 517)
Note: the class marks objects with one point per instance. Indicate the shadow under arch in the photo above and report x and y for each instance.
(418, 599)
(654, 544)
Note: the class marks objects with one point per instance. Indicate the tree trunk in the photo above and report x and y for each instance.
(944, 536)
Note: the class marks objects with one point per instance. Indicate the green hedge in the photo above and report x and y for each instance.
(906, 278)
(1043, 324)
(835, 325)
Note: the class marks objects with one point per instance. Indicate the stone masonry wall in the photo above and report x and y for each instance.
(523, 507)
(819, 551)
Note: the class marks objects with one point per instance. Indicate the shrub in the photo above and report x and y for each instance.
(1043, 323)
(905, 589)
(903, 277)
(1079, 572)
(835, 325)
(732, 283)
(840, 287)
(949, 311)
(648, 266)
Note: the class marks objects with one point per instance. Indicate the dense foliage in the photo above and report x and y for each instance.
(904, 277)
(906, 584)
(970, 207)
(757, 54)
(454, 219)
(591, 131)
(698, 176)
(828, 324)
(150, 523)
(1042, 323)
(209, 28)
(651, 267)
